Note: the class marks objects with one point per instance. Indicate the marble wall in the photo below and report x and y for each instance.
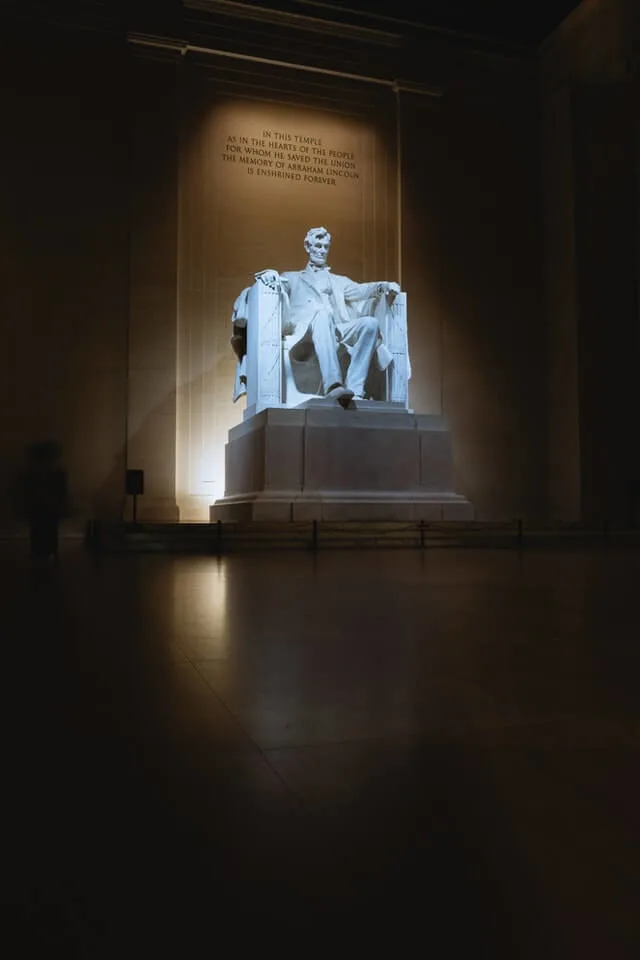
(64, 248)
(591, 104)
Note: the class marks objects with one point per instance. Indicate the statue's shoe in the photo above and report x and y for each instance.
(341, 395)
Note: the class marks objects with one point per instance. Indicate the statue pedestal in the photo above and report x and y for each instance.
(372, 461)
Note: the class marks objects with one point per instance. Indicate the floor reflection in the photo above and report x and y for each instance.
(441, 744)
(199, 614)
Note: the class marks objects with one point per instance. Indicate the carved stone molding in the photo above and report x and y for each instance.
(296, 21)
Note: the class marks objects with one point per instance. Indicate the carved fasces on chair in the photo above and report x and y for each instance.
(395, 335)
(264, 349)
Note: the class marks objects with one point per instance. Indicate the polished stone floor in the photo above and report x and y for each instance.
(423, 752)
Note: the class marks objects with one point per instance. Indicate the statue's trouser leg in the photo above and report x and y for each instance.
(323, 333)
(361, 336)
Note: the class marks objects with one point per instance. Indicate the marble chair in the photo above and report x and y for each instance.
(272, 381)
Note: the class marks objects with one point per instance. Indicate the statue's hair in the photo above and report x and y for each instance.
(316, 232)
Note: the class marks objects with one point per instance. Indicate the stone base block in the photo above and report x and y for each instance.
(337, 510)
(321, 462)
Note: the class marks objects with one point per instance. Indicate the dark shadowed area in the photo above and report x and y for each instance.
(361, 745)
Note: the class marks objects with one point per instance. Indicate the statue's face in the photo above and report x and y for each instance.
(318, 249)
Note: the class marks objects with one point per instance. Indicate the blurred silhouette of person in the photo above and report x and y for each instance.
(45, 498)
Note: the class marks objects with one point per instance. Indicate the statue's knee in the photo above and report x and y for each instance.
(321, 319)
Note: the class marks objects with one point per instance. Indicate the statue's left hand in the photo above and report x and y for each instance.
(389, 289)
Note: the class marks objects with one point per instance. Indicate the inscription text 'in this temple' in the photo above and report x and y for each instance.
(291, 156)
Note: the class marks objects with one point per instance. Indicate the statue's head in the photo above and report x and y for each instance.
(317, 243)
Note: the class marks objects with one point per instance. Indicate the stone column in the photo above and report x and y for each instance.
(151, 420)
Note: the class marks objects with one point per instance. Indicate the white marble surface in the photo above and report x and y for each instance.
(321, 462)
(356, 334)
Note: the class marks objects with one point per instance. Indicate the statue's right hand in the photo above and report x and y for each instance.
(270, 278)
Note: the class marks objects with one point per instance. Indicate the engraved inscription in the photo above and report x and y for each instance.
(292, 156)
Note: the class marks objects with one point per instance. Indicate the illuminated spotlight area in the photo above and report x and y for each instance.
(252, 173)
